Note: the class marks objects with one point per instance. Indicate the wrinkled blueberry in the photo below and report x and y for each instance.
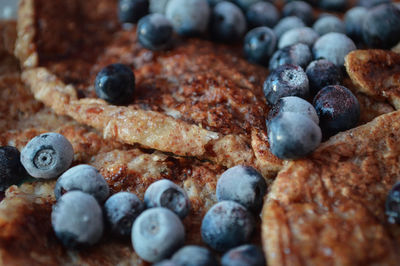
(77, 219)
(165, 193)
(156, 234)
(372, 3)
(298, 35)
(259, 44)
(393, 204)
(293, 135)
(296, 54)
(353, 20)
(381, 26)
(299, 9)
(11, 170)
(155, 32)
(158, 6)
(85, 178)
(322, 73)
(194, 256)
(333, 5)
(338, 109)
(188, 17)
(328, 24)
(334, 47)
(262, 14)
(226, 225)
(227, 22)
(249, 255)
(286, 24)
(115, 84)
(47, 155)
(285, 80)
(132, 10)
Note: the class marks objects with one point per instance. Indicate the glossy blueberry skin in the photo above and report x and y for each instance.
(293, 135)
(334, 47)
(332, 5)
(77, 219)
(381, 26)
(286, 24)
(259, 44)
(353, 20)
(194, 256)
(85, 178)
(226, 225)
(11, 170)
(121, 210)
(228, 23)
(304, 35)
(295, 105)
(372, 3)
(338, 109)
(155, 32)
(328, 24)
(156, 234)
(132, 10)
(188, 17)
(322, 73)
(249, 255)
(47, 155)
(164, 193)
(158, 6)
(285, 80)
(262, 14)
(393, 204)
(115, 84)
(299, 9)
(296, 54)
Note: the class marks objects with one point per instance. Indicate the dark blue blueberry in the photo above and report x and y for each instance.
(121, 210)
(286, 24)
(293, 135)
(262, 14)
(85, 178)
(328, 24)
(158, 6)
(132, 10)
(259, 44)
(381, 26)
(156, 234)
(115, 84)
(165, 193)
(226, 225)
(249, 255)
(285, 80)
(227, 22)
(372, 3)
(47, 155)
(304, 35)
(353, 20)
(296, 54)
(322, 73)
(155, 32)
(215, 2)
(338, 109)
(244, 185)
(245, 4)
(11, 170)
(188, 17)
(333, 47)
(393, 204)
(194, 256)
(299, 9)
(333, 5)
(77, 219)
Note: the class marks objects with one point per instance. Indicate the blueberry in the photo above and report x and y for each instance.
(115, 84)
(227, 22)
(11, 170)
(259, 44)
(333, 5)
(121, 210)
(334, 47)
(244, 185)
(249, 255)
(322, 73)
(194, 256)
(285, 80)
(262, 14)
(188, 17)
(245, 4)
(298, 35)
(286, 24)
(165, 263)
(85, 178)
(215, 2)
(328, 24)
(381, 26)
(158, 6)
(293, 135)
(393, 204)
(156, 234)
(77, 219)
(132, 10)
(47, 155)
(353, 20)
(338, 109)
(155, 32)
(372, 3)
(296, 54)
(299, 9)
(164, 193)
(295, 105)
